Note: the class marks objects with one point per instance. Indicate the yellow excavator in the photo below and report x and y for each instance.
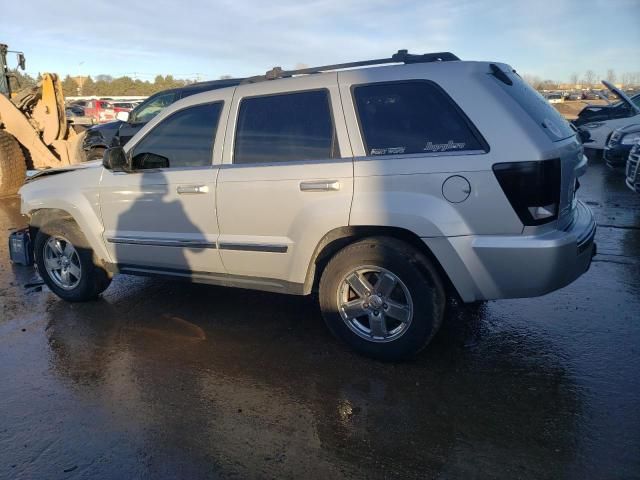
(34, 132)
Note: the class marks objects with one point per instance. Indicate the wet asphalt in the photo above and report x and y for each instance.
(161, 379)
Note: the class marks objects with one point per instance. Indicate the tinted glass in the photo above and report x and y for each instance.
(411, 117)
(151, 107)
(536, 106)
(184, 139)
(284, 128)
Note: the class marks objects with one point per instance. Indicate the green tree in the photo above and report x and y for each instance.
(88, 87)
(20, 80)
(69, 87)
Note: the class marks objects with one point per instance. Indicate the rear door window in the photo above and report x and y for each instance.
(285, 128)
(412, 117)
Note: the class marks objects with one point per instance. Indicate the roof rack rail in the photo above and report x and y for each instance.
(401, 56)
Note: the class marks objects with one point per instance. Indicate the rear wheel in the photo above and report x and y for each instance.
(382, 297)
(67, 264)
(13, 167)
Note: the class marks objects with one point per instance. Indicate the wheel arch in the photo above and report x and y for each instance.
(338, 238)
(40, 217)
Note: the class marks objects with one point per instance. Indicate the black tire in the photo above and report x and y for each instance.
(94, 279)
(417, 275)
(95, 154)
(13, 166)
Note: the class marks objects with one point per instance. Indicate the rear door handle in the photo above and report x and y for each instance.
(320, 186)
(192, 189)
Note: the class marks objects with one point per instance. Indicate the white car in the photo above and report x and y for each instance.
(384, 189)
(555, 98)
(599, 121)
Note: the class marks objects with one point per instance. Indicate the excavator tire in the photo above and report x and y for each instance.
(13, 166)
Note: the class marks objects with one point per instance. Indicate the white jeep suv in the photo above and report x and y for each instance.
(385, 189)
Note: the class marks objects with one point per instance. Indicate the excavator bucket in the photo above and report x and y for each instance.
(35, 120)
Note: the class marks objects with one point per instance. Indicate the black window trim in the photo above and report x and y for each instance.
(173, 169)
(285, 92)
(474, 130)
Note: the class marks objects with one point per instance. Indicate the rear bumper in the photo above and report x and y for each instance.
(491, 267)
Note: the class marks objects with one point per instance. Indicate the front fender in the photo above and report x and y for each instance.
(74, 193)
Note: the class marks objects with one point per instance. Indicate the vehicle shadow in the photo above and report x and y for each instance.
(142, 223)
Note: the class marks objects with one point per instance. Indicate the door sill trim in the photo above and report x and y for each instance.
(221, 279)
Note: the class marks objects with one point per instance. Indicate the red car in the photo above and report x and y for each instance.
(101, 111)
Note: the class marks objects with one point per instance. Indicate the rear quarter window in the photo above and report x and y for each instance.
(412, 117)
(534, 104)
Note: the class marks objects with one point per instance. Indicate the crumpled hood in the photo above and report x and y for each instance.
(621, 95)
(34, 175)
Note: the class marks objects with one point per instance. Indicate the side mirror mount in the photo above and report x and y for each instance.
(123, 116)
(149, 161)
(115, 159)
(22, 62)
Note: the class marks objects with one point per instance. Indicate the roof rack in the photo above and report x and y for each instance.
(401, 56)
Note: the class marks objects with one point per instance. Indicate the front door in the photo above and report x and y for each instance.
(286, 179)
(161, 216)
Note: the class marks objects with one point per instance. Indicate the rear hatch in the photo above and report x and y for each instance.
(567, 150)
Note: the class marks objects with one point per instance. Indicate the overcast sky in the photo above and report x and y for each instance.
(206, 39)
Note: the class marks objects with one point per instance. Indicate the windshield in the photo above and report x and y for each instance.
(152, 107)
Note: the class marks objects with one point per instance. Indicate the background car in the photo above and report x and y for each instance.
(124, 106)
(633, 171)
(555, 98)
(619, 145)
(74, 110)
(620, 109)
(127, 124)
(101, 111)
(603, 120)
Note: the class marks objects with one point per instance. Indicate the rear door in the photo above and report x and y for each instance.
(286, 179)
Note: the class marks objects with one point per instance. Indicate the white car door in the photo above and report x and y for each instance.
(286, 178)
(160, 216)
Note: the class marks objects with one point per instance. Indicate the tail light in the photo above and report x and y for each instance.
(533, 189)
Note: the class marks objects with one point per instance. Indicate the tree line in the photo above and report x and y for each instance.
(103, 85)
(588, 79)
(106, 85)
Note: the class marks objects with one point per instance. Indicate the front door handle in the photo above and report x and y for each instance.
(320, 186)
(192, 189)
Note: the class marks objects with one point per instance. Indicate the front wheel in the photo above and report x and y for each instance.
(95, 154)
(66, 263)
(382, 297)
